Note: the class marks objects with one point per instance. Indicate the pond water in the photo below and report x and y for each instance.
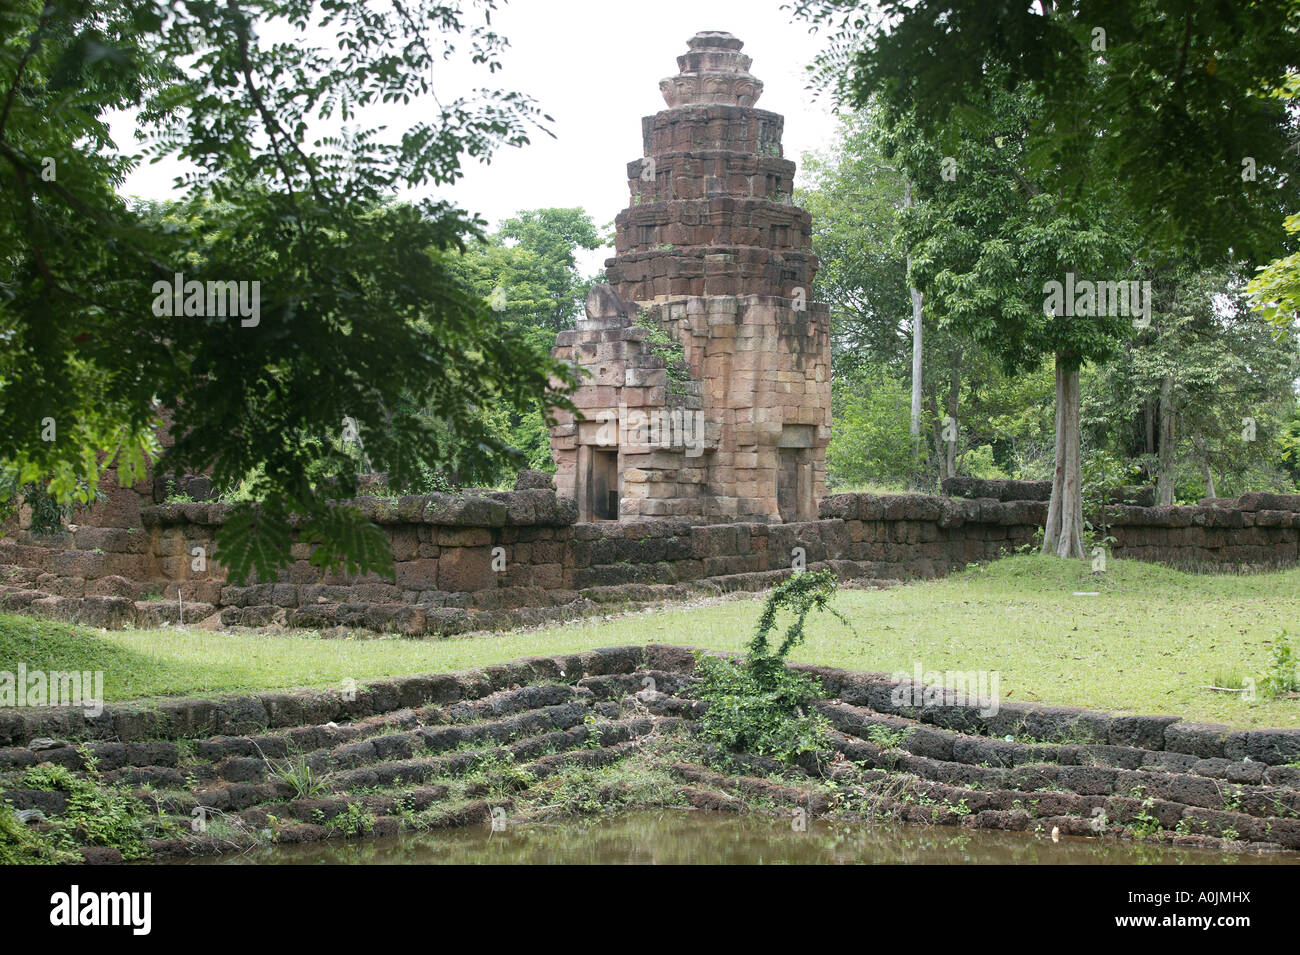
(665, 837)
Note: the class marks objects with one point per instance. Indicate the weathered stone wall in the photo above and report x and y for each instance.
(442, 544)
(1257, 529)
(504, 559)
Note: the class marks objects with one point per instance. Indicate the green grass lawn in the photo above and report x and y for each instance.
(1148, 642)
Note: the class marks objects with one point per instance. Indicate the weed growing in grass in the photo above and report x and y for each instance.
(1283, 674)
(297, 773)
(1227, 679)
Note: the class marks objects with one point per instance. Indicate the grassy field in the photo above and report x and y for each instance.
(1149, 641)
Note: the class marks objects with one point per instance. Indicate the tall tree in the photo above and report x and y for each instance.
(918, 342)
(1166, 105)
(854, 195)
(349, 304)
(553, 238)
(988, 241)
(860, 200)
(1216, 383)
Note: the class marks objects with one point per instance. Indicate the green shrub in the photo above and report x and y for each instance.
(979, 463)
(20, 845)
(744, 717)
(97, 813)
(354, 821)
(872, 438)
(758, 706)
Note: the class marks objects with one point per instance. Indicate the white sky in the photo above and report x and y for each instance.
(595, 66)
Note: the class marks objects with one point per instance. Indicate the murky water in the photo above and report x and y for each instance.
(667, 837)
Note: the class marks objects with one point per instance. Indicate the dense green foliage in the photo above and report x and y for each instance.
(20, 845)
(1169, 400)
(360, 313)
(532, 259)
(1275, 290)
(1162, 99)
(871, 440)
(855, 197)
(97, 813)
(1109, 141)
(1224, 376)
(527, 270)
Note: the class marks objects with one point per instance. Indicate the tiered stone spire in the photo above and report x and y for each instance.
(711, 211)
(714, 71)
(713, 254)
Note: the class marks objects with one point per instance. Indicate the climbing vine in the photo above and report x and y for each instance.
(660, 344)
(759, 705)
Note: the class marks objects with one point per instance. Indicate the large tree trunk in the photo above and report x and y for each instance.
(1165, 455)
(916, 345)
(916, 360)
(954, 405)
(1063, 535)
(1204, 456)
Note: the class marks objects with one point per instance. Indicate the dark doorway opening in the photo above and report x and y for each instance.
(604, 485)
(787, 484)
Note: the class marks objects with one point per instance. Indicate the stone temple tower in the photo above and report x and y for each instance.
(706, 390)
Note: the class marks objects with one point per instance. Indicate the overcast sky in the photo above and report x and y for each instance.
(595, 66)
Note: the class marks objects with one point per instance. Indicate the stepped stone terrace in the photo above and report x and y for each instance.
(512, 741)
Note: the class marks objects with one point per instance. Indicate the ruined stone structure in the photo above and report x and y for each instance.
(707, 366)
(706, 419)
